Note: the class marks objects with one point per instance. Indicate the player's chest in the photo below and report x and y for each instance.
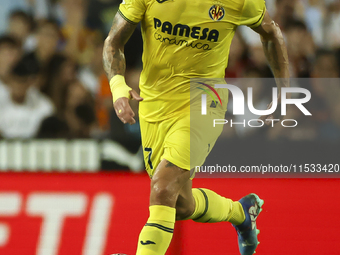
(194, 13)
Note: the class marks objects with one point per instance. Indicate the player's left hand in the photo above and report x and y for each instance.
(124, 110)
(272, 118)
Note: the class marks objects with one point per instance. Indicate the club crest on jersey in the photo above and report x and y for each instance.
(216, 12)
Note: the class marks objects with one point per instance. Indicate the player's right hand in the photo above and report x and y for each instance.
(123, 108)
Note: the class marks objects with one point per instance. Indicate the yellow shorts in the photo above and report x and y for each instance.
(185, 140)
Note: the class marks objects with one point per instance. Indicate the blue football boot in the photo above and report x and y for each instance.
(247, 231)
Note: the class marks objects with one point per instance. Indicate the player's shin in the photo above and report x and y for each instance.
(211, 207)
(156, 235)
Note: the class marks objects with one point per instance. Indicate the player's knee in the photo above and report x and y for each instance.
(185, 206)
(166, 184)
(184, 211)
(164, 192)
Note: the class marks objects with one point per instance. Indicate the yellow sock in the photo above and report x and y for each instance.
(157, 233)
(211, 207)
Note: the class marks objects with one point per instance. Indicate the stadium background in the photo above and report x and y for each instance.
(71, 178)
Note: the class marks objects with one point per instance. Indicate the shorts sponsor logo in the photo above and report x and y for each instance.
(204, 97)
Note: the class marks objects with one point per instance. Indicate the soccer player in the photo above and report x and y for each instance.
(183, 40)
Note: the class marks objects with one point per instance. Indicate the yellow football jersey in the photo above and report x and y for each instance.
(182, 40)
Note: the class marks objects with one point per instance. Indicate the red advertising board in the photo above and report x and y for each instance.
(64, 214)
(101, 214)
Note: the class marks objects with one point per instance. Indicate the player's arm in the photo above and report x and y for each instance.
(114, 66)
(276, 53)
(275, 49)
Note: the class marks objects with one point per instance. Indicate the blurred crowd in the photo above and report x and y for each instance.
(311, 29)
(52, 83)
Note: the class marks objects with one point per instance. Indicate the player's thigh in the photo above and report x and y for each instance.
(168, 139)
(177, 142)
(191, 137)
(153, 144)
(203, 135)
